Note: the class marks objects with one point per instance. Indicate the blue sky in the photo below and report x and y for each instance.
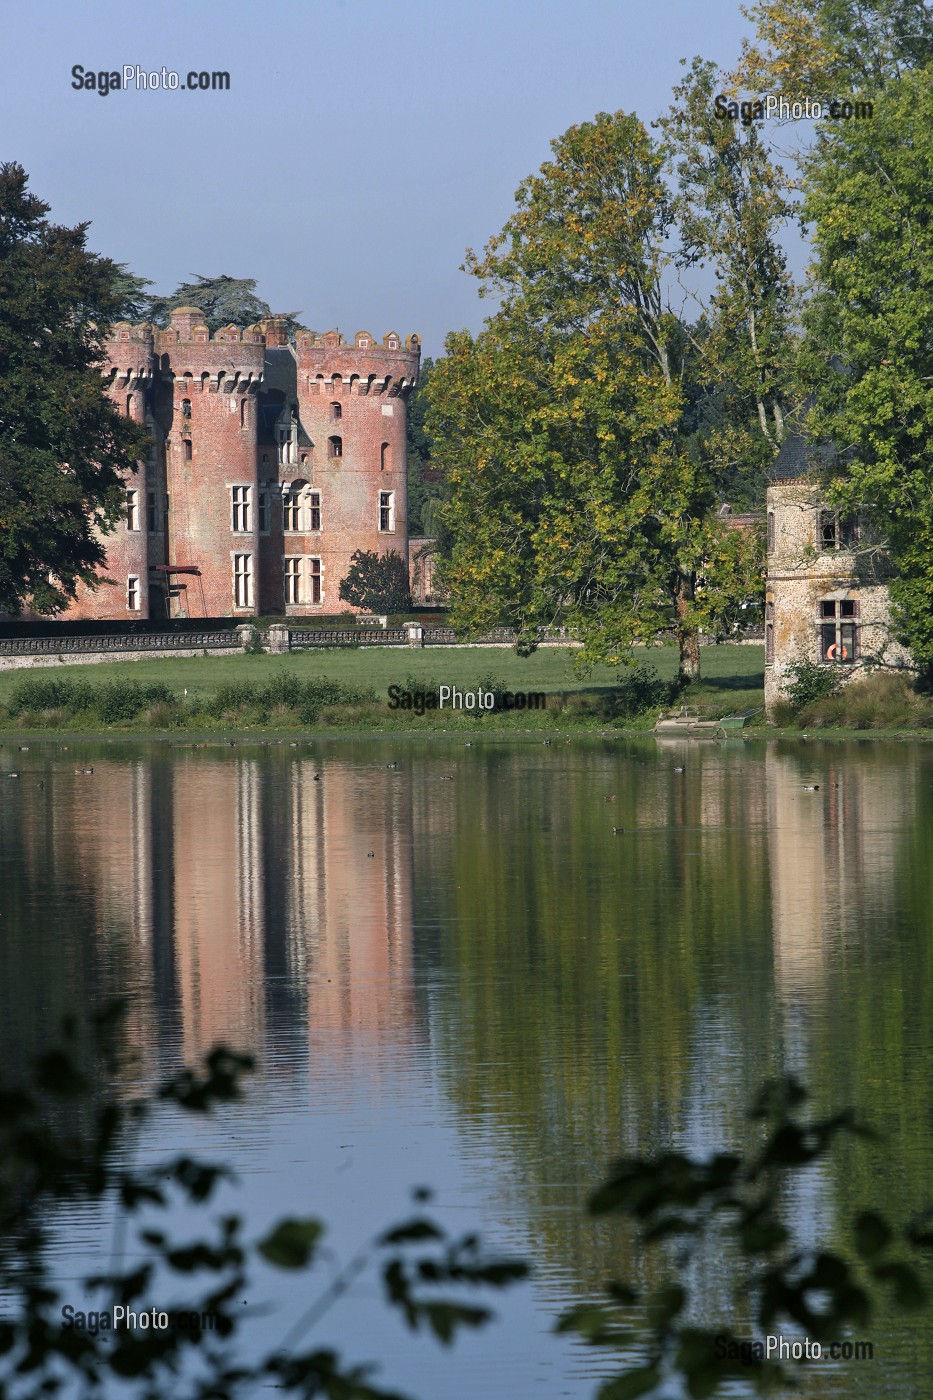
(361, 148)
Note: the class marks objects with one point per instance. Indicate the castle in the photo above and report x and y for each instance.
(269, 466)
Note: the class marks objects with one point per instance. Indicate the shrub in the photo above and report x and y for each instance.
(640, 688)
(877, 702)
(810, 682)
(283, 689)
(119, 701)
(254, 646)
(50, 693)
(317, 694)
(231, 697)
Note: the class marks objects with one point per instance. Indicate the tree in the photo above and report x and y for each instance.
(64, 449)
(824, 50)
(732, 202)
(574, 496)
(223, 300)
(377, 582)
(424, 490)
(869, 355)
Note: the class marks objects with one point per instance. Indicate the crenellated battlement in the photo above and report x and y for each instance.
(329, 364)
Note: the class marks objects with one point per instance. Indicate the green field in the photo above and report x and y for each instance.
(733, 677)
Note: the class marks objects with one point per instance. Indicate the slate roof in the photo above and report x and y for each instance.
(800, 457)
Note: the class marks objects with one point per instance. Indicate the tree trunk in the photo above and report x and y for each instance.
(688, 639)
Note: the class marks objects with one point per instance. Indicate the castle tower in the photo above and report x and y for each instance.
(342, 471)
(128, 379)
(207, 407)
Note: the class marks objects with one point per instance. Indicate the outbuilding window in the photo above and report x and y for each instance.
(839, 631)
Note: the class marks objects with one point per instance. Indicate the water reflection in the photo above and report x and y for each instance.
(461, 944)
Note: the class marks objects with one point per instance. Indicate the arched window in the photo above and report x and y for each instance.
(385, 457)
(243, 412)
(336, 411)
(335, 446)
(129, 405)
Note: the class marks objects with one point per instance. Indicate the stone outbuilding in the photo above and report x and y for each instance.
(826, 596)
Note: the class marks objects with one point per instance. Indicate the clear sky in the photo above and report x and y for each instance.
(362, 145)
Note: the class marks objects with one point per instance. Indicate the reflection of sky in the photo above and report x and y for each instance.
(237, 898)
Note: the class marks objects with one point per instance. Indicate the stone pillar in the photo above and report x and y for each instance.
(277, 638)
(415, 634)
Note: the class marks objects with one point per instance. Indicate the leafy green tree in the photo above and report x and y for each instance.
(224, 301)
(425, 490)
(869, 356)
(64, 450)
(574, 497)
(377, 582)
(828, 48)
(732, 203)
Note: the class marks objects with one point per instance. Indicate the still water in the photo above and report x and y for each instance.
(453, 973)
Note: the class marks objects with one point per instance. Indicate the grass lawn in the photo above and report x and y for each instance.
(733, 675)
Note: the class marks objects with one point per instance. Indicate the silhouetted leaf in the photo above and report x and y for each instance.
(291, 1244)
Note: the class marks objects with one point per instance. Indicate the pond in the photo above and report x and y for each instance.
(455, 973)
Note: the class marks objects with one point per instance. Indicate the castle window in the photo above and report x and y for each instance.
(262, 511)
(837, 531)
(385, 457)
(129, 405)
(132, 593)
(770, 531)
(769, 633)
(243, 422)
(188, 449)
(240, 508)
(151, 525)
(336, 411)
(315, 581)
(393, 343)
(314, 510)
(242, 580)
(291, 509)
(186, 408)
(132, 510)
(292, 580)
(335, 445)
(387, 511)
(839, 631)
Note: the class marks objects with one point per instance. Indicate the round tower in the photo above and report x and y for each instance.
(350, 481)
(208, 413)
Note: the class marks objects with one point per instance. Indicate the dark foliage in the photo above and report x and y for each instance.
(64, 449)
(63, 1140)
(377, 582)
(732, 1203)
(223, 300)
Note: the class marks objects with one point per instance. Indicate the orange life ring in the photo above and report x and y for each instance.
(831, 652)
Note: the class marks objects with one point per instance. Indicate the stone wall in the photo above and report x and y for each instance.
(814, 560)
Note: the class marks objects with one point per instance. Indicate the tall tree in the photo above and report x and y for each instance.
(733, 200)
(64, 450)
(869, 352)
(224, 301)
(825, 48)
(574, 496)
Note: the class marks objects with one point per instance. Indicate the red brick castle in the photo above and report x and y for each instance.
(270, 465)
